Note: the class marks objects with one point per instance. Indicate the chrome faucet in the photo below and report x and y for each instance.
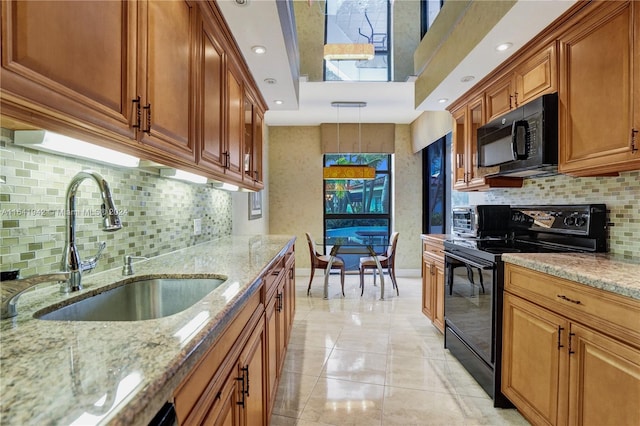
(71, 261)
(13, 289)
(127, 268)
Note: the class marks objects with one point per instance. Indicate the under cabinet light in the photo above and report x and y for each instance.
(225, 186)
(58, 144)
(182, 175)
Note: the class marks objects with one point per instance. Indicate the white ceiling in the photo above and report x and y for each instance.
(258, 23)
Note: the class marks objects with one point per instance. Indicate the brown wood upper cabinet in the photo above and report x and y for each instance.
(165, 77)
(253, 127)
(157, 79)
(530, 79)
(599, 91)
(76, 59)
(466, 120)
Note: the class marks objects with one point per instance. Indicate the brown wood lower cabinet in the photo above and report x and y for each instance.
(433, 281)
(236, 380)
(577, 364)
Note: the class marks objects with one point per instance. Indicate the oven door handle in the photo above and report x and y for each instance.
(469, 262)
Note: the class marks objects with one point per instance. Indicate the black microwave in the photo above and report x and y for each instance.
(523, 142)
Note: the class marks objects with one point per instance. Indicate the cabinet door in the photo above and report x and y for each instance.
(475, 112)
(166, 76)
(91, 82)
(272, 349)
(438, 302)
(282, 319)
(604, 380)
(253, 367)
(211, 116)
(500, 97)
(248, 138)
(533, 359)
(235, 123)
(595, 92)
(255, 172)
(459, 144)
(427, 286)
(537, 76)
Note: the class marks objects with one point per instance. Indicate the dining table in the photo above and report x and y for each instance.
(355, 245)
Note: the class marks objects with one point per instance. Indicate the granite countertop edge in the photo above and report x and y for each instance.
(602, 271)
(148, 348)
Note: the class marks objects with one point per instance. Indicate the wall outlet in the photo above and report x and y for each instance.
(197, 226)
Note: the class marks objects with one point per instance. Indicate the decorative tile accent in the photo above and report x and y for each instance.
(157, 213)
(621, 194)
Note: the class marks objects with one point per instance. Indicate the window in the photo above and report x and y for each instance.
(436, 193)
(354, 21)
(429, 9)
(359, 209)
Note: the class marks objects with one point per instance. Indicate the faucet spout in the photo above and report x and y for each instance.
(71, 261)
(13, 289)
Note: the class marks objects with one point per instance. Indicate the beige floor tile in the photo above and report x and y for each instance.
(293, 392)
(341, 402)
(414, 407)
(419, 373)
(306, 359)
(356, 366)
(415, 344)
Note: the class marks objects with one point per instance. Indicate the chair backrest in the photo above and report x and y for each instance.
(391, 250)
(312, 247)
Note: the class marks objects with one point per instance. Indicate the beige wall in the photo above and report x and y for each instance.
(295, 190)
(405, 37)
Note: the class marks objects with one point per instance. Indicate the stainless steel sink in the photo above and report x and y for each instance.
(138, 300)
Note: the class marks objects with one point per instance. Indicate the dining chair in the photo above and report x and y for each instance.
(321, 261)
(386, 261)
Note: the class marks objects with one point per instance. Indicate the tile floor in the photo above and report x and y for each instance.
(362, 361)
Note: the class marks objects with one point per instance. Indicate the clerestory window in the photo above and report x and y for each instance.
(359, 22)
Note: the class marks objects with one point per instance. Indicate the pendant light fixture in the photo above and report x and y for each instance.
(349, 171)
(349, 52)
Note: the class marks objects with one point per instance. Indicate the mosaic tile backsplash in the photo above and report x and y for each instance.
(621, 194)
(157, 213)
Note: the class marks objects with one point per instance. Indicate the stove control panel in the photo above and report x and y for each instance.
(564, 219)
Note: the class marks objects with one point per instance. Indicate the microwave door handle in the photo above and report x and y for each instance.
(514, 139)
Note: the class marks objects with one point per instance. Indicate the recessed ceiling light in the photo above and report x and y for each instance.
(259, 50)
(442, 100)
(242, 2)
(467, 78)
(504, 46)
(278, 102)
(270, 80)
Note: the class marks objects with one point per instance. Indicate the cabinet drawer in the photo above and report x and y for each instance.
(605, 311)
(434, 248)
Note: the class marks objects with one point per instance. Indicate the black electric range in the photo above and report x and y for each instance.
(474, 275)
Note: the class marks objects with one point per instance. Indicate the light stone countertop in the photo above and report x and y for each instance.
(601, 271)
(122, 373)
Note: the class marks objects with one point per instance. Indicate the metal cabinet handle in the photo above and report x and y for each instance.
(147, 108)
(563, 297)
(136, 102)
(560, 345)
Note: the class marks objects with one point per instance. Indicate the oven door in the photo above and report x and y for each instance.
(470, 302)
